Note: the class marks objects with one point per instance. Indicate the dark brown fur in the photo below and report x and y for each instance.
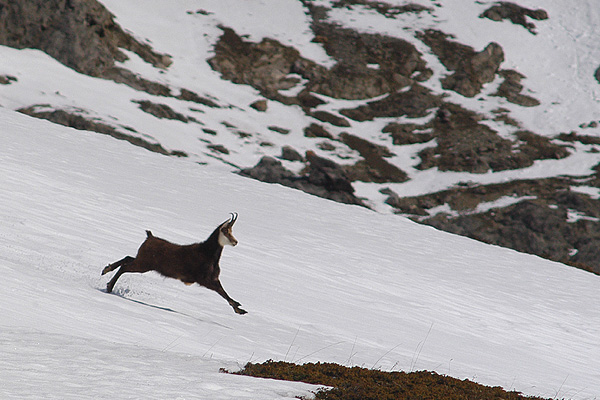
(194, 263)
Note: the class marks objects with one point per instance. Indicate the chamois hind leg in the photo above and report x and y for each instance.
(217, 287)
(117, 264)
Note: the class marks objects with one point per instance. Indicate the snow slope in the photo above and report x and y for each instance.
(321, 281)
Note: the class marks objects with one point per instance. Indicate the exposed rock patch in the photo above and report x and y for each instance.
(335, 120)
(544, 217)
(381, 7)
(290, 154)
(188, 95)
(259, 105)
(266, 66)
(414, 103)
(322, 177)
(7, 79)
(81, 34)
(464, 143)
(403, 134)
(315, 130)
(515, 13)
(79, 122)
(471, 69)
(511, 89)
(162, 111)
(373, 167)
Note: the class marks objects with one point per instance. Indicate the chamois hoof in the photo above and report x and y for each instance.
(106, 270)
(240, 311)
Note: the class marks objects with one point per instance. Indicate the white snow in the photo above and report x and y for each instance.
(321, 281)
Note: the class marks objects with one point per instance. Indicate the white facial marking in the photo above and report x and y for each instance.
(226, 238)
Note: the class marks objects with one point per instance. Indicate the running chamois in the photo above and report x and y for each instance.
(194, 263)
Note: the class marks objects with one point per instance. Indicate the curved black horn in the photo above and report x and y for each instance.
(234, 217)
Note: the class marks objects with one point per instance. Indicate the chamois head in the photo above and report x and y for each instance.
(225, 234)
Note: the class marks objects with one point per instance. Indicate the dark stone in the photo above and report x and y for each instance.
(324, 116)
(290, 154)
(314, 130)
(161, 110)
(259, 105)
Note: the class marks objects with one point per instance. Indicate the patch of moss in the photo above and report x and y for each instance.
(355, 383)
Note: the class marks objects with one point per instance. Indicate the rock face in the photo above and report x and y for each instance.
(81, 34)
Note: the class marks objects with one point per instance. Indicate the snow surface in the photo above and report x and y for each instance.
(322, 281)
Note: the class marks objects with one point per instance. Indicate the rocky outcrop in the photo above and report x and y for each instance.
(381, 7)
(78, 121)
(547, 217)
(266, 66)
(416, 102)
(321, 177)
(162, 111)
(373, 167)
(511, 89)
(515, 14)
(471, 69)
(464, 143)
(81, 34)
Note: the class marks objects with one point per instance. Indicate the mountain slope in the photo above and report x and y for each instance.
(413, 102)
(321, 281)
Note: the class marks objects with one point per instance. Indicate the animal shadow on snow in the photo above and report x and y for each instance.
(122, 293)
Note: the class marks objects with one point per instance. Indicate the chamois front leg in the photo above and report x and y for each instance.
(217, 287)
(123, 263)
(117, 264)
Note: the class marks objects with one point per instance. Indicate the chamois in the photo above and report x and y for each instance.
(194, 263)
